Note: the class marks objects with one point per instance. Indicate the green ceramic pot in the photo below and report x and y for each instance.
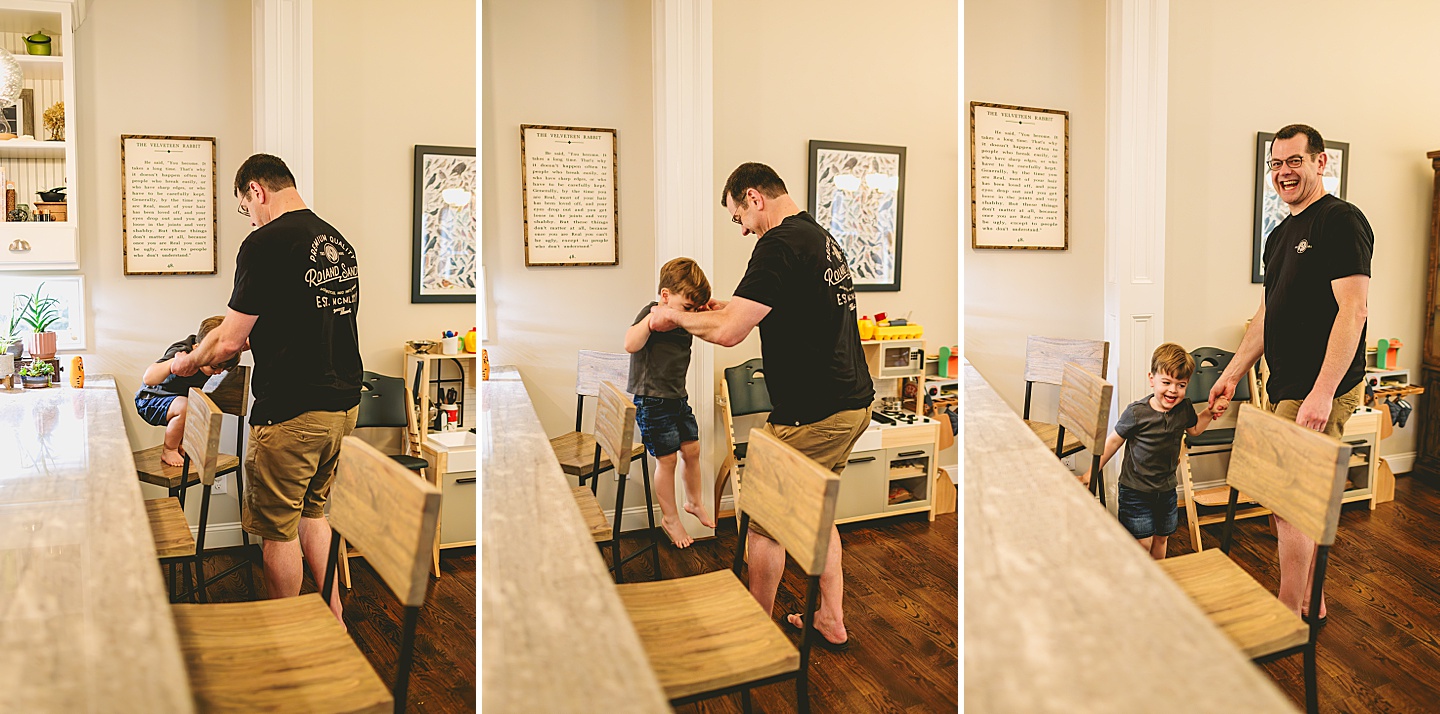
(38, 44)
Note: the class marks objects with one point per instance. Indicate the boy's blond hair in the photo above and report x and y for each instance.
(208, 324)
(683, 276)
(1172, 359)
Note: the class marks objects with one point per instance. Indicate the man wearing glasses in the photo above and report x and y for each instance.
(1311, 322)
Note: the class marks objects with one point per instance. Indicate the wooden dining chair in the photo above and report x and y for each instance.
(614, 432)
(1300, 475)
(169, 529)
(1085, 416)
(576, 450)
(743, 392)
(291, 654)
(1045, 360)
(712, 618)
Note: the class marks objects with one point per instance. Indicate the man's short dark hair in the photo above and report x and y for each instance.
(750, 175)
(267, 170)
(1314, 144)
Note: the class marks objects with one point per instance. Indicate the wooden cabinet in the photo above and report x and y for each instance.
(1428, 449)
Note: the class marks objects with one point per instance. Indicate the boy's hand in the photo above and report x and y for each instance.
(1220, 396)
(662, 319)
(183, 365)
(1218, 407)
(713, 305)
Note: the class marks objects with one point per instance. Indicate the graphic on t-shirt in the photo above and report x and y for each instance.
(335, 275)
(838, 275)
(1303, 246)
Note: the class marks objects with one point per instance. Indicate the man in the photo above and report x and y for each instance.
(798, 289)
(1311, 322)
(296, 295)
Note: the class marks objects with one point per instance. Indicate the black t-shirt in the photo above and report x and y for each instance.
(814, 366)
(658, 369)
(1327, 241)
(174, 385)
(1152, 444)
(299, 276)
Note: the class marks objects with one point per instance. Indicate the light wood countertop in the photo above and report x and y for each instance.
(1064, 612)
(555, 635)
(85, 624)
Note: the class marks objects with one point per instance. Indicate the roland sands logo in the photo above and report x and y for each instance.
(316, 277)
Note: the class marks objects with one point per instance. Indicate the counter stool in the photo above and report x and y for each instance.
(614, 432)
(1085, 411)
(168, 527)
(576, 450)
(291, 654)
(1045, 360)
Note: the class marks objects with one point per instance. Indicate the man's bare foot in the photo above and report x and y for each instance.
(699, 512)
(676, 532)
(833, 634)
(172, 457)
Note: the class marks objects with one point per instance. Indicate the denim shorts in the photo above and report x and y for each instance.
(665, 424)
(154, 409)
(1147, 514)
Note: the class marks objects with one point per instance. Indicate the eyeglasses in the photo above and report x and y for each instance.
(736, 220)
(242, 210)
(1293, 162)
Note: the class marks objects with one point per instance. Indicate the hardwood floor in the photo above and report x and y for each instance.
(442, 676)
(1380, 651)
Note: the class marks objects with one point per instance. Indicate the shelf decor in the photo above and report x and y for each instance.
(168, 208)
(568, 194)
(1270, 210)
(445, 255)
(857, 193)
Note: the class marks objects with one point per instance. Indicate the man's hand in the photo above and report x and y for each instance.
(662, 318)
(183, 365)
(1220, 396)
(1084, 478)
(1314, 412)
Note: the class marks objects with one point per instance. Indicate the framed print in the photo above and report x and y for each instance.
(21, 116)
(169, 211)
(445, 249)
(1019, 177)
(1270, 210)
(69, 290)
(569, 206)
(857, 193)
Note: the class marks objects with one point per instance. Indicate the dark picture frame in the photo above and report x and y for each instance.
(857, 193)
(1270, 210)
(446, 253)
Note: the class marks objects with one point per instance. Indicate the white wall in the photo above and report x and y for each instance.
(1047, 54)
(1231, 77)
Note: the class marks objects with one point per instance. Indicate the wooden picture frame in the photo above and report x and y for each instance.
(857, 193)
(1270, 210)
(22, 114)
(1019, 177)
(569, 193)
(445, 252)
(169, 205)
(16, 289)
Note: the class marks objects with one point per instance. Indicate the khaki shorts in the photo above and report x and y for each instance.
(289, 468)
(828, 442)
(1340, 409)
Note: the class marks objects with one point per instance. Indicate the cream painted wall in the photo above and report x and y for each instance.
(1371, 89)
(1057, 62)
(196, 83)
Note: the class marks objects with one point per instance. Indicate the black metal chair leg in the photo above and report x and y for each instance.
(1312, 697)
(615, 530)
(650, 511)
(745, 702)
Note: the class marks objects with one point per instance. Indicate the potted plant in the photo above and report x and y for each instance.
(36, 375)
(7, 360)
(16, 347)
(40, 313)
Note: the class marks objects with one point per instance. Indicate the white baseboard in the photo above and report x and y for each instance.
(1400, 463)
(225, 535)
(635, 516)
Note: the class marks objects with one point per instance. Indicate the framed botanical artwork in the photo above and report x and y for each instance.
(1019, 177)
(69, 290)
(445, 250)
(1270, 210)
(569, 196)
(857, 193)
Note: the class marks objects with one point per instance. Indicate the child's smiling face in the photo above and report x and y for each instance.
(676, 300)
(1168, 390)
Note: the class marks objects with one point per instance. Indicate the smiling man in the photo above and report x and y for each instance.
(1311, 323)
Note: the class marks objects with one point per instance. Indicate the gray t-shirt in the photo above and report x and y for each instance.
(658, 369)
(1152, 444)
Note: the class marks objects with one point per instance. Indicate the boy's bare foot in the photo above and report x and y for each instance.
(699, 512)
(833, 634)
(172, 457)
(676, 532)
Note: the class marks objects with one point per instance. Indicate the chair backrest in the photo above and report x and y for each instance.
(745, 387)
(382, 401)
(1046, 357)
(202, 435)
(596, 367)
(388, 514)
(232, 394)
(1210, 362)
(1085, 406)
(615, 426)
(1297, 473)
(792, 497)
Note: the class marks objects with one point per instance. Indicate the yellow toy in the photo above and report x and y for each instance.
(77, 372)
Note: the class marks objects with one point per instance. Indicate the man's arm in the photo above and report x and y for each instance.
(1351, 294)
(223, 342)
(726, 326)
(1252, 346)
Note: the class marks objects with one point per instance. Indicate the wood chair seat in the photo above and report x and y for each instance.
(1249, 614)
(576, 453)
(169, 528)
(1047, 433)
(151, 469)
(288, 654)
(600, 531)
(711, 613)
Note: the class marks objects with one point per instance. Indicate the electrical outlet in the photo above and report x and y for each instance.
(1070, 462)
(222, 485)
